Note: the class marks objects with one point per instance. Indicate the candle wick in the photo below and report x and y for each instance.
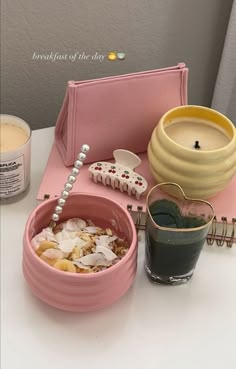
(197, 146)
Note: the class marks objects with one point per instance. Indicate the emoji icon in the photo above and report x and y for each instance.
(120, 55)
(111, 56)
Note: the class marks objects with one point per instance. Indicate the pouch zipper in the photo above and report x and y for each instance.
(176, 67)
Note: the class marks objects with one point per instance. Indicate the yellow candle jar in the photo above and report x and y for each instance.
(195, 147)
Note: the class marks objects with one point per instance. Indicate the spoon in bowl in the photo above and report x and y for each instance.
(69, 185)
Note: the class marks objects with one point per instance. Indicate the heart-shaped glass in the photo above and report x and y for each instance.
(176, 229)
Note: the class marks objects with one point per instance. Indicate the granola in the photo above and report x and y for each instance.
(79, 246)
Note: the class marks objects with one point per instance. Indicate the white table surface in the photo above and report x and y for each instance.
(152, 326)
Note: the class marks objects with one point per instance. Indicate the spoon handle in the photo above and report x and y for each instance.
(69, 185)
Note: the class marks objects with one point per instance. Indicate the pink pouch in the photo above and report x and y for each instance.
(117, 112)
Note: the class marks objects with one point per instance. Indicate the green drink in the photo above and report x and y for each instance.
(175, 234)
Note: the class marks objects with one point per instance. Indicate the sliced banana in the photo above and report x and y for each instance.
(65, 265)
(44, 245)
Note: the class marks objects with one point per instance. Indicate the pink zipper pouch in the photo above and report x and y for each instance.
(117, 112)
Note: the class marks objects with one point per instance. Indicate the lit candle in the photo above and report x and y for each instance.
(15, 140)
(197, 134)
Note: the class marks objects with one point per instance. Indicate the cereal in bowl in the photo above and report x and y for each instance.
(79, 246)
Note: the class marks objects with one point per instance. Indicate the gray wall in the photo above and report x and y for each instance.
(152, 33)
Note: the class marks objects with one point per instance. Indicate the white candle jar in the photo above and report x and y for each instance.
(15, 152)
(195, 147)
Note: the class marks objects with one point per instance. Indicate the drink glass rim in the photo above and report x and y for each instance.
(184, 198)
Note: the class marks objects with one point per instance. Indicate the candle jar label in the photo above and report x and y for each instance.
(12, 179)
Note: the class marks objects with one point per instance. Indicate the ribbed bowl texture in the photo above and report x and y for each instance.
(73, 291)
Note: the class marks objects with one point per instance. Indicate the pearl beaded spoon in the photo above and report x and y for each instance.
(69, 185)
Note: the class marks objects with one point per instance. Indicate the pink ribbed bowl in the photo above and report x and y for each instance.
(81, 292)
